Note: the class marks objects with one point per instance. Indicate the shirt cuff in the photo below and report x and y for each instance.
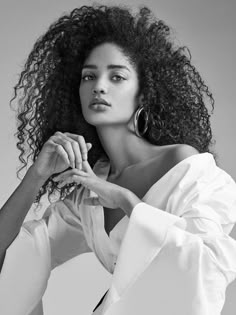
(154, 222)
(143, 240)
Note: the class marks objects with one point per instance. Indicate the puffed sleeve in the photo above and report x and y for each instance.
(185, 257)
(40, 246)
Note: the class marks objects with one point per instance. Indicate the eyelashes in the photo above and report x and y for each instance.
(89, 77)
(84, 78)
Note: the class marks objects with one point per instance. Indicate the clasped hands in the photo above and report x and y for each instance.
(108, 194)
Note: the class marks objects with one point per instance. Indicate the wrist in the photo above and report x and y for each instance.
(36, 176)
(129, 201)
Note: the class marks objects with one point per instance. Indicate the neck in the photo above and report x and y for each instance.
(123, 147)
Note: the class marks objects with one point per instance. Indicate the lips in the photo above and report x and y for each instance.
(99, 101)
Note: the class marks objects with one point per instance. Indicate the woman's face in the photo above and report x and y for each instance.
(108, 74)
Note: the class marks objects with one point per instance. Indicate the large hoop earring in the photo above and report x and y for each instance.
(140, 112)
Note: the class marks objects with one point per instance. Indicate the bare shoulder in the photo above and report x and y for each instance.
(183, 151)
(166, 158)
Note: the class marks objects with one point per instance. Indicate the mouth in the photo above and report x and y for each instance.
(99, 102)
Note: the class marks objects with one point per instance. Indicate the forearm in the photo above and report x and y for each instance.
(14, 211)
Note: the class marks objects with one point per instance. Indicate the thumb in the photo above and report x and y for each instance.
(87, 167)
(89, 145)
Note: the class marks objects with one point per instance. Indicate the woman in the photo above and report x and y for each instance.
(115, 117)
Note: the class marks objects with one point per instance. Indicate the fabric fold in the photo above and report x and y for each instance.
(174, 247)
(40, 246)
(177, 245)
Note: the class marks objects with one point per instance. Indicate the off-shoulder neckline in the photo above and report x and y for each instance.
(106, 164)
(184, 161)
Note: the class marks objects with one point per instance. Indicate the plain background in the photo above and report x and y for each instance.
(205, 26)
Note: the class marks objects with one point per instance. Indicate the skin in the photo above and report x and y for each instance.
(120, 88)
(126, 151)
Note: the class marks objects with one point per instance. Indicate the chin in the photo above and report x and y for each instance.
(96, 121)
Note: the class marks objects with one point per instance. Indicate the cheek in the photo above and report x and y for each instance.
(81, 89)
(129, 93)
(83, 93)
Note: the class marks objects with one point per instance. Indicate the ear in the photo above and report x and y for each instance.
(140, 99)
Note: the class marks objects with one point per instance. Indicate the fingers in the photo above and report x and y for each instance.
(70, 176)
(82, 144)
(87, 167)
(77, 154)
(74, 147)
(67, 147)
(53, 145)
(70, 173)
(75, 179)
(62, 153)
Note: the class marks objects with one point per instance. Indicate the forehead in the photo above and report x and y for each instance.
(106, 54)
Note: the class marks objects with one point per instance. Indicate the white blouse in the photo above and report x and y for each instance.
(173, 255)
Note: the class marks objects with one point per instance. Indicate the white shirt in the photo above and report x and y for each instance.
(175, 242)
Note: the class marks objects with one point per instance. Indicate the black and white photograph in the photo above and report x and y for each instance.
(118, 174)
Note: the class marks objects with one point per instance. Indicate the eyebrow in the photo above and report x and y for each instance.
(108, 67)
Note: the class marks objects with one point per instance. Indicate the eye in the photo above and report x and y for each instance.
(87, 77)
(118, 77)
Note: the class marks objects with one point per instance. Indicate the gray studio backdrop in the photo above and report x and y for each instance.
(205, 26)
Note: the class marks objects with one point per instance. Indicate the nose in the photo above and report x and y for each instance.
(99, 87)
(97, 91)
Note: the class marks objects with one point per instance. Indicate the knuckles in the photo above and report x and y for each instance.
(65, 135)
(58, 133)
(64, 140)
(74, 177)
(79, 137)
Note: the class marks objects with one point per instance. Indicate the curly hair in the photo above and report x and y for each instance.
(175, 95)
